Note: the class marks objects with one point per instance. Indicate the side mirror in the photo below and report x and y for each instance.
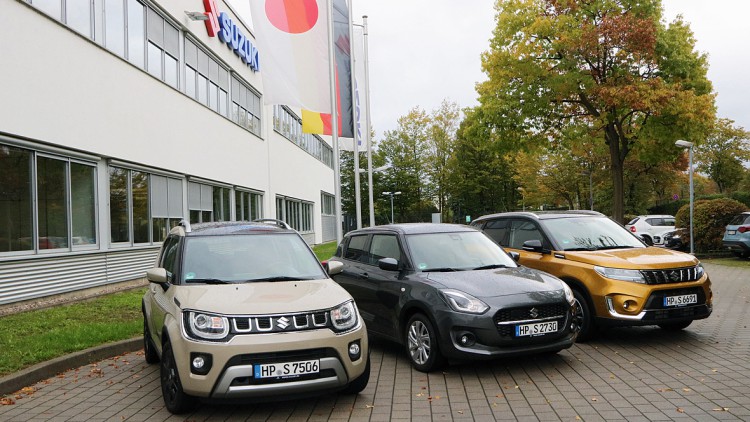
(158, 276)
(388, 264)
(515, 255)
(532, 245)
(334, 267)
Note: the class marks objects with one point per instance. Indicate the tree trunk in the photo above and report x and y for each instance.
(617, 160)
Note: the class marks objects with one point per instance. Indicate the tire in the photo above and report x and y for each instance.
(647, 240)
(675, 326)
(175, 399)
(422, 344)
(149, 350)
(741, 254)
(359, 383)
(584, 318)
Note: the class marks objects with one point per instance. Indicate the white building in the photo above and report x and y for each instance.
(118, 118)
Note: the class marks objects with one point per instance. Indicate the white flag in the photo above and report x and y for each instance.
(360, 94)
(292, 40)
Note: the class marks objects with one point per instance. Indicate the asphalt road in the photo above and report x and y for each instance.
(701, 373)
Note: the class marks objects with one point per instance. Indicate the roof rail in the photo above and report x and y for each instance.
(186, 224)
(279, 223)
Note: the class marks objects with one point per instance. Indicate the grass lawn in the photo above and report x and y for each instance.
(36, 336)
(730, 262)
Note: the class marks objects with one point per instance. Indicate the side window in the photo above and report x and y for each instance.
(169, 255)
(653, 221)
(521, 231)
(384, 246)
(497, 230)
(355, 250)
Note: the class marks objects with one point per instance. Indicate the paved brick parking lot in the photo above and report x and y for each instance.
(702, 373)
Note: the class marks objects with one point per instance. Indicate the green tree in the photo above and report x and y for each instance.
(722, 154)
(610, 67)
(441, 144)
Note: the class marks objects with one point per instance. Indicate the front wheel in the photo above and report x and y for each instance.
(675, 326)
(422, 344)
(584, 318)
(175, 399)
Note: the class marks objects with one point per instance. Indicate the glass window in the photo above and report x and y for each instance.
(136, 33)
(114, 26)
(50, 7)
(190, 81)
(170, 252)
(52, 208)
(213, 97)
(455, 250)
(16, 228)
(384, 246)
(356, 248)
(78, 16)
(83, 203)
(523, 231)
(202, 90)
(154, 60)
(497, 230)
(223, 102)
(170, 71)
(140, 207)
(118, 205)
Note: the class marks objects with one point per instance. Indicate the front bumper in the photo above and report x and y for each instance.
(232, 371)
(493, 337)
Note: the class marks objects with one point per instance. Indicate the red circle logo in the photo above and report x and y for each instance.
(292, 16)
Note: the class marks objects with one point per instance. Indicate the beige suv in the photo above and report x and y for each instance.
(245, 310)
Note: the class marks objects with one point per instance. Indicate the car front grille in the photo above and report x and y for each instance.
(279, 323)
(505, 319)
(675, 275)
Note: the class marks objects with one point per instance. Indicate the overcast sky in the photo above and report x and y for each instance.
(424, 51)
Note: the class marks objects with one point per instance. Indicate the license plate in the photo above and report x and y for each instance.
(537, 329)
(680, 300)
(287, 369)
(731, 232)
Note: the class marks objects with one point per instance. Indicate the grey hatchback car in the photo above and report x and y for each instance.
(449, 292)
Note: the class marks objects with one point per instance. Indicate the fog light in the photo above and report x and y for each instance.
(628, 304)
(200, 363)
(355, 350)
(466, 339)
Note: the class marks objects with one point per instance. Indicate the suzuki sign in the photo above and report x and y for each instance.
(229, 33)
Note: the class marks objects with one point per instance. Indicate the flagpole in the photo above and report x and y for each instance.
(334, 123)
(367, 126)
(357, 193)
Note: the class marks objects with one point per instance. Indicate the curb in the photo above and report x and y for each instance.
(41, 371)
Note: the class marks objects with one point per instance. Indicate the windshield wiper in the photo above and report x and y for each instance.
(491, 266)
(581, 249)
(277, 278)
(601, 248)
(208, 281)
(440, 270)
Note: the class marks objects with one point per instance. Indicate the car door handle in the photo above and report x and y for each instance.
(365, 276)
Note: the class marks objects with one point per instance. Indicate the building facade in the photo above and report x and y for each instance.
(119, 118)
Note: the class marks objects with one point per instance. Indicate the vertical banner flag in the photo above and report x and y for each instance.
(320, 123)
(292, 39)
(360, 93)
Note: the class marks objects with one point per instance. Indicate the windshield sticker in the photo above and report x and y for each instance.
(189, 276)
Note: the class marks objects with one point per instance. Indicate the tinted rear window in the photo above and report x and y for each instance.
(740, 219)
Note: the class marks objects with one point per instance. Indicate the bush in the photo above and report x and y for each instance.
(710, 218)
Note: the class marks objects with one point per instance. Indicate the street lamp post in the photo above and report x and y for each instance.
(392, 194)
(689, 146)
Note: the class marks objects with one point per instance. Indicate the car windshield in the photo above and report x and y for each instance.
(458, 251)
(248, 258)
(589, 234)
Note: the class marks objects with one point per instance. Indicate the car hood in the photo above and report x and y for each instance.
(637, 259)
(499, 282)
(262, 297)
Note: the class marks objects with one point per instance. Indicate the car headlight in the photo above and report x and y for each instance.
(699, 271)
(207, 326)
(620, 274)
(344, 317)
(568, 293)
(464, 302)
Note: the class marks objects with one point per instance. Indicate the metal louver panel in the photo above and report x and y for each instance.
(35, 278)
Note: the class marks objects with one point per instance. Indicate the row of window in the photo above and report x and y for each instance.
(286, 123)
(49, 202)
(296, 213)
(139, 34)
(327, 204)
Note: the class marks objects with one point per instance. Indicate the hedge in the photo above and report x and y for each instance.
(710, 218)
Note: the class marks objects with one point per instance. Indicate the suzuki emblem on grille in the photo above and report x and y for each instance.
(674, 275)
(282, 323)
(534, 313)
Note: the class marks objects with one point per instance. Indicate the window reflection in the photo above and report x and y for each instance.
(16, 229)
(50, 7)
(52, 208)
(136, 34)
(118, 205)
(83, 203)
(140, 207)
(78, 16)
(114, 26)
(154, 60)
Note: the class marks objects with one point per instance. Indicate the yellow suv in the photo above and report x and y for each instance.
(617, 280)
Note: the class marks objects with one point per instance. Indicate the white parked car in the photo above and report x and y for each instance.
(651, 228)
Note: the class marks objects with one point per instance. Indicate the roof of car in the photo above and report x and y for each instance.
(227, 228)
(417, 228)
(543, 215)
